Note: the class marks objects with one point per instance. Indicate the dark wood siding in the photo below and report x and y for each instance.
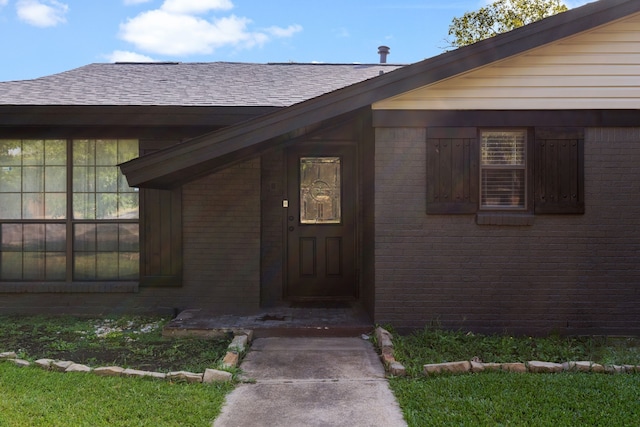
(160, 229)
(161, 237)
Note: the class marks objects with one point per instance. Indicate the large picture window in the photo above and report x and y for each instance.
(66, 211)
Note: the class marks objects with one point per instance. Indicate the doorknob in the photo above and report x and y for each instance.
(291, 228)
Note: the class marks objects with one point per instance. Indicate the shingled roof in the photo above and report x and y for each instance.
(210, 152)
(219, 84)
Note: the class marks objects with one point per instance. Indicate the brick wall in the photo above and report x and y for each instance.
(570, 274)
(221, 217)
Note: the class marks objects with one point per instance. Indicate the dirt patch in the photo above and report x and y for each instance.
(133, 342)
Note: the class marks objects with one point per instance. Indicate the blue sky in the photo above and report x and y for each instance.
(42, 37)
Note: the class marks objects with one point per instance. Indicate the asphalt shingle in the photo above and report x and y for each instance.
(188, 84)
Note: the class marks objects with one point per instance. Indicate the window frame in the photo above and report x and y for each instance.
(70, 223)
(528, 168)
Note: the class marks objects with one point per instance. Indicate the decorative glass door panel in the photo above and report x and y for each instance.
(321, 223)
(320, 190)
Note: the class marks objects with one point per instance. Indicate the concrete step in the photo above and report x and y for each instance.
(279, 322)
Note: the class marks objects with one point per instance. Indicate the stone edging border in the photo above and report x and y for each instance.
(234, 352)
(533, 366)
(385, 345)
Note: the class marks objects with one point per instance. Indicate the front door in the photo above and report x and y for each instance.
(321, 223)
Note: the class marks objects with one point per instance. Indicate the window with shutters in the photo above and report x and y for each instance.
(503, 178)
(505, 175)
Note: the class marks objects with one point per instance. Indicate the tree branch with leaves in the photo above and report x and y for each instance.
(499, 17)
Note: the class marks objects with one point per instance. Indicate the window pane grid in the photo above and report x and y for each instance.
(106, 251)
(34, 197)
(100, 190)
(32, 252)
(33, 179)
(503, 170)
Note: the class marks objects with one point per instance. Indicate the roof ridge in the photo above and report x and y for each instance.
(377, 64)
(143, 62)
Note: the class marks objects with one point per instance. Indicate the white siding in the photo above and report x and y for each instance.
(598, 69)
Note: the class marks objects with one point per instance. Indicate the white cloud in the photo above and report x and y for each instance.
(195, 6)
(133, 2)
(3, 2)
(160, 32)
(176, 29)
(126, 56)
(42, 13)
(284, 32)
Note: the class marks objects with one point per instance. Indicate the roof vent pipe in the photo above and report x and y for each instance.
(383, 51)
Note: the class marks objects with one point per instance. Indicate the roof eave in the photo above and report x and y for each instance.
(190, 160)
(126, 115)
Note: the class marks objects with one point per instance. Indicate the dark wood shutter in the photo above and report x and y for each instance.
(452, 170)
(559, 171)
(160, 230)
(161, 237)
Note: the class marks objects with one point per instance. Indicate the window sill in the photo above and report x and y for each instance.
(504, 218)
(75, 287)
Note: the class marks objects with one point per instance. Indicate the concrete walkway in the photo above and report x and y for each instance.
(311, 382)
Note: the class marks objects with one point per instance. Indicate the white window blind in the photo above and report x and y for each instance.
(503, 169)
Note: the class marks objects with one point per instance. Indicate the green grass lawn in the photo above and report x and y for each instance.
(32, 397)
(509, 399)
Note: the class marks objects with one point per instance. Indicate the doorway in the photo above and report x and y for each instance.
(321, 223)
